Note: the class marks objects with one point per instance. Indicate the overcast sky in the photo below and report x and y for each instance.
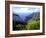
(25, 10)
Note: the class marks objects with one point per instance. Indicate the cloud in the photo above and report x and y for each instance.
(25, 10)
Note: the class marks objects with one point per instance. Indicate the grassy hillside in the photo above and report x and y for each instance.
(33, 25)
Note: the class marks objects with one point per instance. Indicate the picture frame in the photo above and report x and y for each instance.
(8, 24)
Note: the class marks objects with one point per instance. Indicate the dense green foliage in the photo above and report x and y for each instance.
(31, 25)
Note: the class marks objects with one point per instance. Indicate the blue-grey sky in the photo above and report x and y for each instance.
(19, 10)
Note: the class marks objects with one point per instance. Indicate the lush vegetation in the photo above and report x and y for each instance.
(32, 24)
